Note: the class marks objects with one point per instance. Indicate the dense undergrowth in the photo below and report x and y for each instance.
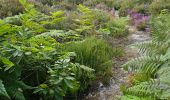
(55, 55)
(57, 49)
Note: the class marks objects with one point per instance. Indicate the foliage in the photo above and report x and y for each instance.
(39, 22)
(151, 71)
(25, 55)
(63, 79)
(62, 36)
(31, 62)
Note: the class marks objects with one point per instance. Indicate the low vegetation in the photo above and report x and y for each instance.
(59, 49)
(55, 55)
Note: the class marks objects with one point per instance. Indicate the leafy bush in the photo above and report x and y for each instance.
(32, 67)
(150, 77)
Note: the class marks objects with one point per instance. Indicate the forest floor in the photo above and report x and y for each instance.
(113, 91)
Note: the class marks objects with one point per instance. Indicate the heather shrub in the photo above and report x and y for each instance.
(139, 20)
(44, 2)
(125, 5)
(103, 3)
(101, 6)
(157, 5)
(10, 8)
(141, 6)
(43, 8)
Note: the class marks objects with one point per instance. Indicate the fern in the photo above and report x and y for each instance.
(3, 92)
(151, 70)
(141, 64)
(152, 48)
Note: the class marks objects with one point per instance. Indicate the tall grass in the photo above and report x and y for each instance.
(95, 53)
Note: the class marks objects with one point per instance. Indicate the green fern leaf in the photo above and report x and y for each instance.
(3, 91)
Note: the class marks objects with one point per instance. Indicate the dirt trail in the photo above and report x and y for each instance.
(113, 92)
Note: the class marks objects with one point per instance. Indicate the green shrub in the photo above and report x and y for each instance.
(31, 65)
(25, 55)
(118, 28)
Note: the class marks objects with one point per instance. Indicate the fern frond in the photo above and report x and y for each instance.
(164, 74)
(144, 64)
(152, 88)
(151, 48)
